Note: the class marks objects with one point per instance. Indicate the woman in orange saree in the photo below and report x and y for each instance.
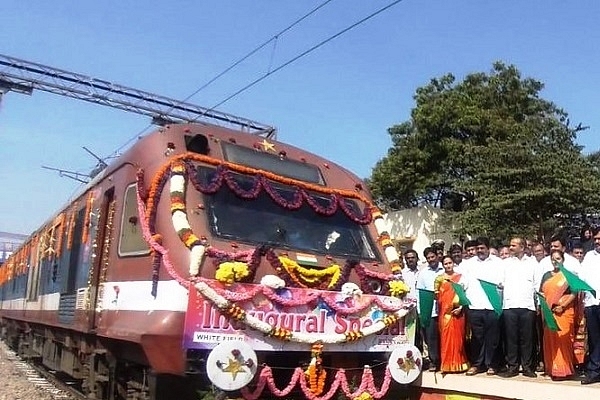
(559, 358)
(451, 320)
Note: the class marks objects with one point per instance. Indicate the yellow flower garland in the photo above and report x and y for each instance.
(398, 288)
(310, 275)
(230, 272)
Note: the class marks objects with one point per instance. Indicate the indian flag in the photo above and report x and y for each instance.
(306, 259)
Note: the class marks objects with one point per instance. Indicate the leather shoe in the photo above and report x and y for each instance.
(509, 373)
(589, 379)
(529, 373)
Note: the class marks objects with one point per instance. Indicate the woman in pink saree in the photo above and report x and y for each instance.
(559, 358)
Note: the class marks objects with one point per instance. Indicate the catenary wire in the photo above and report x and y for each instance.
(304, 53)
(232, 66)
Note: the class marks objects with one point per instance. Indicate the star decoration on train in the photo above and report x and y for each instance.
(267, 146)
(234, 367)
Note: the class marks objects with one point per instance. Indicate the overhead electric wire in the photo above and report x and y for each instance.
(274, 37)
(269, 73)
(235, 64)
(280, 67)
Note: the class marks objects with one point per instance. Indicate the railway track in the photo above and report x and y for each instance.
(27, 379)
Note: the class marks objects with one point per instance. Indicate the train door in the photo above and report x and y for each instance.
(98, 270)
(33, 279)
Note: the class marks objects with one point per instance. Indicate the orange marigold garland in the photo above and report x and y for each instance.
(156, 261)
(87, 218)
(60, 233)
(315, 372)
(71, 226)
(280, 333)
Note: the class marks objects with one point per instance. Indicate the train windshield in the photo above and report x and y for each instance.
(261, 221)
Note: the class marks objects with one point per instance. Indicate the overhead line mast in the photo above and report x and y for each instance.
(23, 76)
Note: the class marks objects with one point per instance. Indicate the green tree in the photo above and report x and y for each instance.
(491, 149)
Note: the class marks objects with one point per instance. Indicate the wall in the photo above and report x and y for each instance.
(422, 225)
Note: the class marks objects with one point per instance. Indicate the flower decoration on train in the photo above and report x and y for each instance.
(315, 372)
(366, 390)
(391, 315)
(372, 281)
(326, 278)
(180, 168)
(391, 253)
(230, 272)
(363, 396)
(398, 288)
(272, 281)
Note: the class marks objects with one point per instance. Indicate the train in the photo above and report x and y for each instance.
(208, 261)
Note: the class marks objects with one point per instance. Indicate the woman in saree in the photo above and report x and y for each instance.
(558, 345)
(452, 322)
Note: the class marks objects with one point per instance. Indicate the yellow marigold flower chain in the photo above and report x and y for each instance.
(280, 333)
(310, 275)
(230, 272)
(390, 319)
(398, 288)
(353, 336)
(236, 312)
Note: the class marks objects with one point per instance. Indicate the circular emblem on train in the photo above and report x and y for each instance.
(231, 365)
(405, 363)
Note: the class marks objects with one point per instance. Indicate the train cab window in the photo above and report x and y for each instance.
(131, 240)
(234, 218)
(272, 162)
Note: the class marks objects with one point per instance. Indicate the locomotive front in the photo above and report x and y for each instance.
(291, 274)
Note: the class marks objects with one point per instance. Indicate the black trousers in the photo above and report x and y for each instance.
(592, 318)
(431, 334)
(520, 333)
(485, 338)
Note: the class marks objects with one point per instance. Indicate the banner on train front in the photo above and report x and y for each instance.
(307, 315)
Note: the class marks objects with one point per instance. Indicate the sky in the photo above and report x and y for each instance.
(337, 101)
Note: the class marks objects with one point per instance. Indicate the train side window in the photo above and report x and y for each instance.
(131, 240)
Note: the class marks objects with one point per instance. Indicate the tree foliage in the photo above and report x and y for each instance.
(490, 148)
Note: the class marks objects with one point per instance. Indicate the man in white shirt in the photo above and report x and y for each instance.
(426, 281)
(558, 242)
(521, 282)
(483, 320)
(410, 274)
(470, 249)
(590, 272)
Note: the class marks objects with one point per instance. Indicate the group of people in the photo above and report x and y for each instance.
(525, 308)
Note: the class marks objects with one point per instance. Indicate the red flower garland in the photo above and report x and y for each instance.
(340, 382)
